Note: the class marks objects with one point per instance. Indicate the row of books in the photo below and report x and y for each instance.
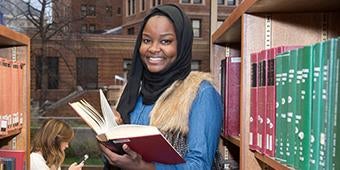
(294, 104)
(262, 117)
(11, 91)
(10, 122)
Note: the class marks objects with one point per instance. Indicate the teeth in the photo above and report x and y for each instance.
(155, 58)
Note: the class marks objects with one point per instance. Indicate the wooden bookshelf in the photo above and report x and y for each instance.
(232, 139)
(261, 24)
(15, 48)
(271, 161)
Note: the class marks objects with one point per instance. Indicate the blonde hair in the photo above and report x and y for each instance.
(48, 141)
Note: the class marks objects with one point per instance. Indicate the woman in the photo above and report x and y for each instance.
(49, 144)
(162, 91)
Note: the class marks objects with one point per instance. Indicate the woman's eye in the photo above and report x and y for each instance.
(145, 41)
(166, 42)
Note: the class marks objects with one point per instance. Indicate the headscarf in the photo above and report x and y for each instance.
(152, 85)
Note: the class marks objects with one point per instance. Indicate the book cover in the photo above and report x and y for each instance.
(304, 92)
(17, 155)
(223, 95)
(280, 116)
(233, 95)
(262, 101)
(291, 106)
(253, 103)
(330, 53)
(336, 144)
(147, 141)
(318, 103)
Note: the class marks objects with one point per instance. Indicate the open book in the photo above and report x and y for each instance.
(145, 140)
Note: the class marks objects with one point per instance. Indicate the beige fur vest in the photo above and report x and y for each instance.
(171, 111)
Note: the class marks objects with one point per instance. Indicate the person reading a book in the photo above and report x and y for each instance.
(49, 144)
(162, 91)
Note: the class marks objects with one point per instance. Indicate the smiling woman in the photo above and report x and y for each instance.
(162, 91)
(158, 48)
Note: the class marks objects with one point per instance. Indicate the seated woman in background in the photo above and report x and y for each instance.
(49, 144)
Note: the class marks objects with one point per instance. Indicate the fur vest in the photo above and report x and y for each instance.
(171, 112)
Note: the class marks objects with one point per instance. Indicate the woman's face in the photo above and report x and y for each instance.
(159, 44)
(63, 145)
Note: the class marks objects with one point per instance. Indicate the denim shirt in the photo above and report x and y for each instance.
(205, 121)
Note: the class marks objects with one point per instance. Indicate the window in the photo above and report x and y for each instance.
(131, 7)
(83, 10)
(52, 72)
(126, 67)
(156, 2)
(196, 26)
(228, 3)
(91, 10)
(131, 31)
(92, 28)
(195, 65)
(191, 1)
(231, 2)
(197, 1)
(142, 5)
(220, 2)
(83, 28)
(87, 73)
(118, 11)
(108, 11)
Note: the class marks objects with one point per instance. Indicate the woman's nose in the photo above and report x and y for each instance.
(154, 48)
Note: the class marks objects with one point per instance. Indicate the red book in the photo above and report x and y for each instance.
(232, 103)
(262, 99)
(147, 141)
(253, 103)
(18, 155)
(224, 83)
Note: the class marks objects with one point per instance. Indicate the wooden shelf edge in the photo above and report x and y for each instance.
(11, 133)
(10, 38)
(232, 139)
(271, 161)
(217, 36)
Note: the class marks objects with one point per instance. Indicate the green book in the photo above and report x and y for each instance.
(330, 53)
(337, 111)
(317, 105)
(304, 92)
(291, 106)
(280, 131)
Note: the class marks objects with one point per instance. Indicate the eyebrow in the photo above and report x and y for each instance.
(162, 34)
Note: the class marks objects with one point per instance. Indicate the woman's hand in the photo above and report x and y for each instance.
(129, 161)
(75, 166)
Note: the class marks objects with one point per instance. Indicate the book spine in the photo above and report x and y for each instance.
(317, 103)
(336, 144)
(233, 91)
(261, 138)
(331, 54)
(223, 95)
(305, 103)
(291, 106)
(280, 118)
(253, 102)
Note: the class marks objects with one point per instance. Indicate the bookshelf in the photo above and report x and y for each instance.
(261, 24)
(15, 56)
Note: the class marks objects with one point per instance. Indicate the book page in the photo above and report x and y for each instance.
(109, 117)
(87, 117)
